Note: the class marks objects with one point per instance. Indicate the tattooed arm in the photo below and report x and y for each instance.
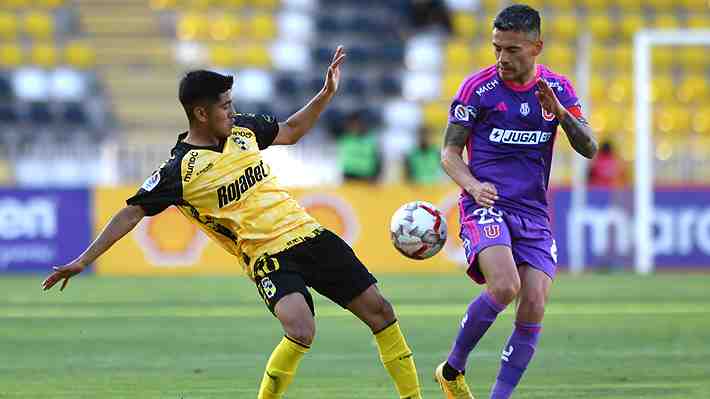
(579, 133)
(453, 164)
(577, 128)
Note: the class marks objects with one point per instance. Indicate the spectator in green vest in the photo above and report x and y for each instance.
(422, 163)
(358, 151)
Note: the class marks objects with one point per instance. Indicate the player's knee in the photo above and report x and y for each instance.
(532, 308)
(531, 312)
(386, 311)
(505, 291)
(302, 331)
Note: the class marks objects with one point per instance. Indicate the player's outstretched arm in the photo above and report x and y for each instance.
(577, 128)
(123, 222)
(303, 120)
(453, 164)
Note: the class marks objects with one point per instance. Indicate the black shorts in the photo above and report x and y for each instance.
(324, 262)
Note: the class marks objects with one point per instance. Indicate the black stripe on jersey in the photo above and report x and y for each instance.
(181, 145)
(264, 127)
(210, 222)
(155, 197)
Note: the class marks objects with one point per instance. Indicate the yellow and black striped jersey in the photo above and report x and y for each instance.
(230, 193)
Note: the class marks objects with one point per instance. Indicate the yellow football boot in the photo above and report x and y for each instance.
(456, 389)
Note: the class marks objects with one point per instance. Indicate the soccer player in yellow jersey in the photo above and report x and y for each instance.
(217, 178)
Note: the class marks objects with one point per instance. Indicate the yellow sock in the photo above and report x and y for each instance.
(281, 368)
(397, 359)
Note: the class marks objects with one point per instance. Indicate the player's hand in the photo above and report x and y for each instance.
(485, 194)
(548, 99)
(62, 273)
(332, 76)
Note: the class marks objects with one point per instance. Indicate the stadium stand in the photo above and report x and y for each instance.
(50, 94)
(400, 71)
(46, 74)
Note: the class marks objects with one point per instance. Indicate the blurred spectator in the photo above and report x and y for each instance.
(358, 151)
(422, 163)
(430, 15)
(606, 169)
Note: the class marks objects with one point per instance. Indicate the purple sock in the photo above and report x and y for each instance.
(481, 313)
(516, 355)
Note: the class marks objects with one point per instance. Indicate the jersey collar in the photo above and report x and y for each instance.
(527, 86)
(180, 143)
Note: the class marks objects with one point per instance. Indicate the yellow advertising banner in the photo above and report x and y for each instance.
(167, 244)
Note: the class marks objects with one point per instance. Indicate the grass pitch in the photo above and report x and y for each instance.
(610, 336)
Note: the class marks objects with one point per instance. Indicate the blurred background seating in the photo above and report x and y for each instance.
(105, 73)
(50, 92)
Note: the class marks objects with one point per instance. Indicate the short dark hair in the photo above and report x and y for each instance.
(518, 18)
(201, 85)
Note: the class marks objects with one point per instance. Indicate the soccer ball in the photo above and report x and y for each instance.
(418, 230)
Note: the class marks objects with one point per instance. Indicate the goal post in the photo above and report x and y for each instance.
(644, 41)
(579, 163)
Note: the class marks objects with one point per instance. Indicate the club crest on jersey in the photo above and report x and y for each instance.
(492, 231)
(524, 109)
(548, 116)
(239, 141)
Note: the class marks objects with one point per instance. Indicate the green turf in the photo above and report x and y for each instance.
(612, 336)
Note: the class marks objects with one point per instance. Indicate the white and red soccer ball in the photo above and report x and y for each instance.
(418, 230)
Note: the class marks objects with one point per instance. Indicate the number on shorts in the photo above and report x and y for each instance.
(488, 215)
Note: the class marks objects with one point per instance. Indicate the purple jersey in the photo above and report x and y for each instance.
(511, 140)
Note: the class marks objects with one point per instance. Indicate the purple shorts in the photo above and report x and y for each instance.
(530, 239)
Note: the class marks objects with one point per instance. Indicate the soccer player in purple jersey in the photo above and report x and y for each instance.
(506, 117)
